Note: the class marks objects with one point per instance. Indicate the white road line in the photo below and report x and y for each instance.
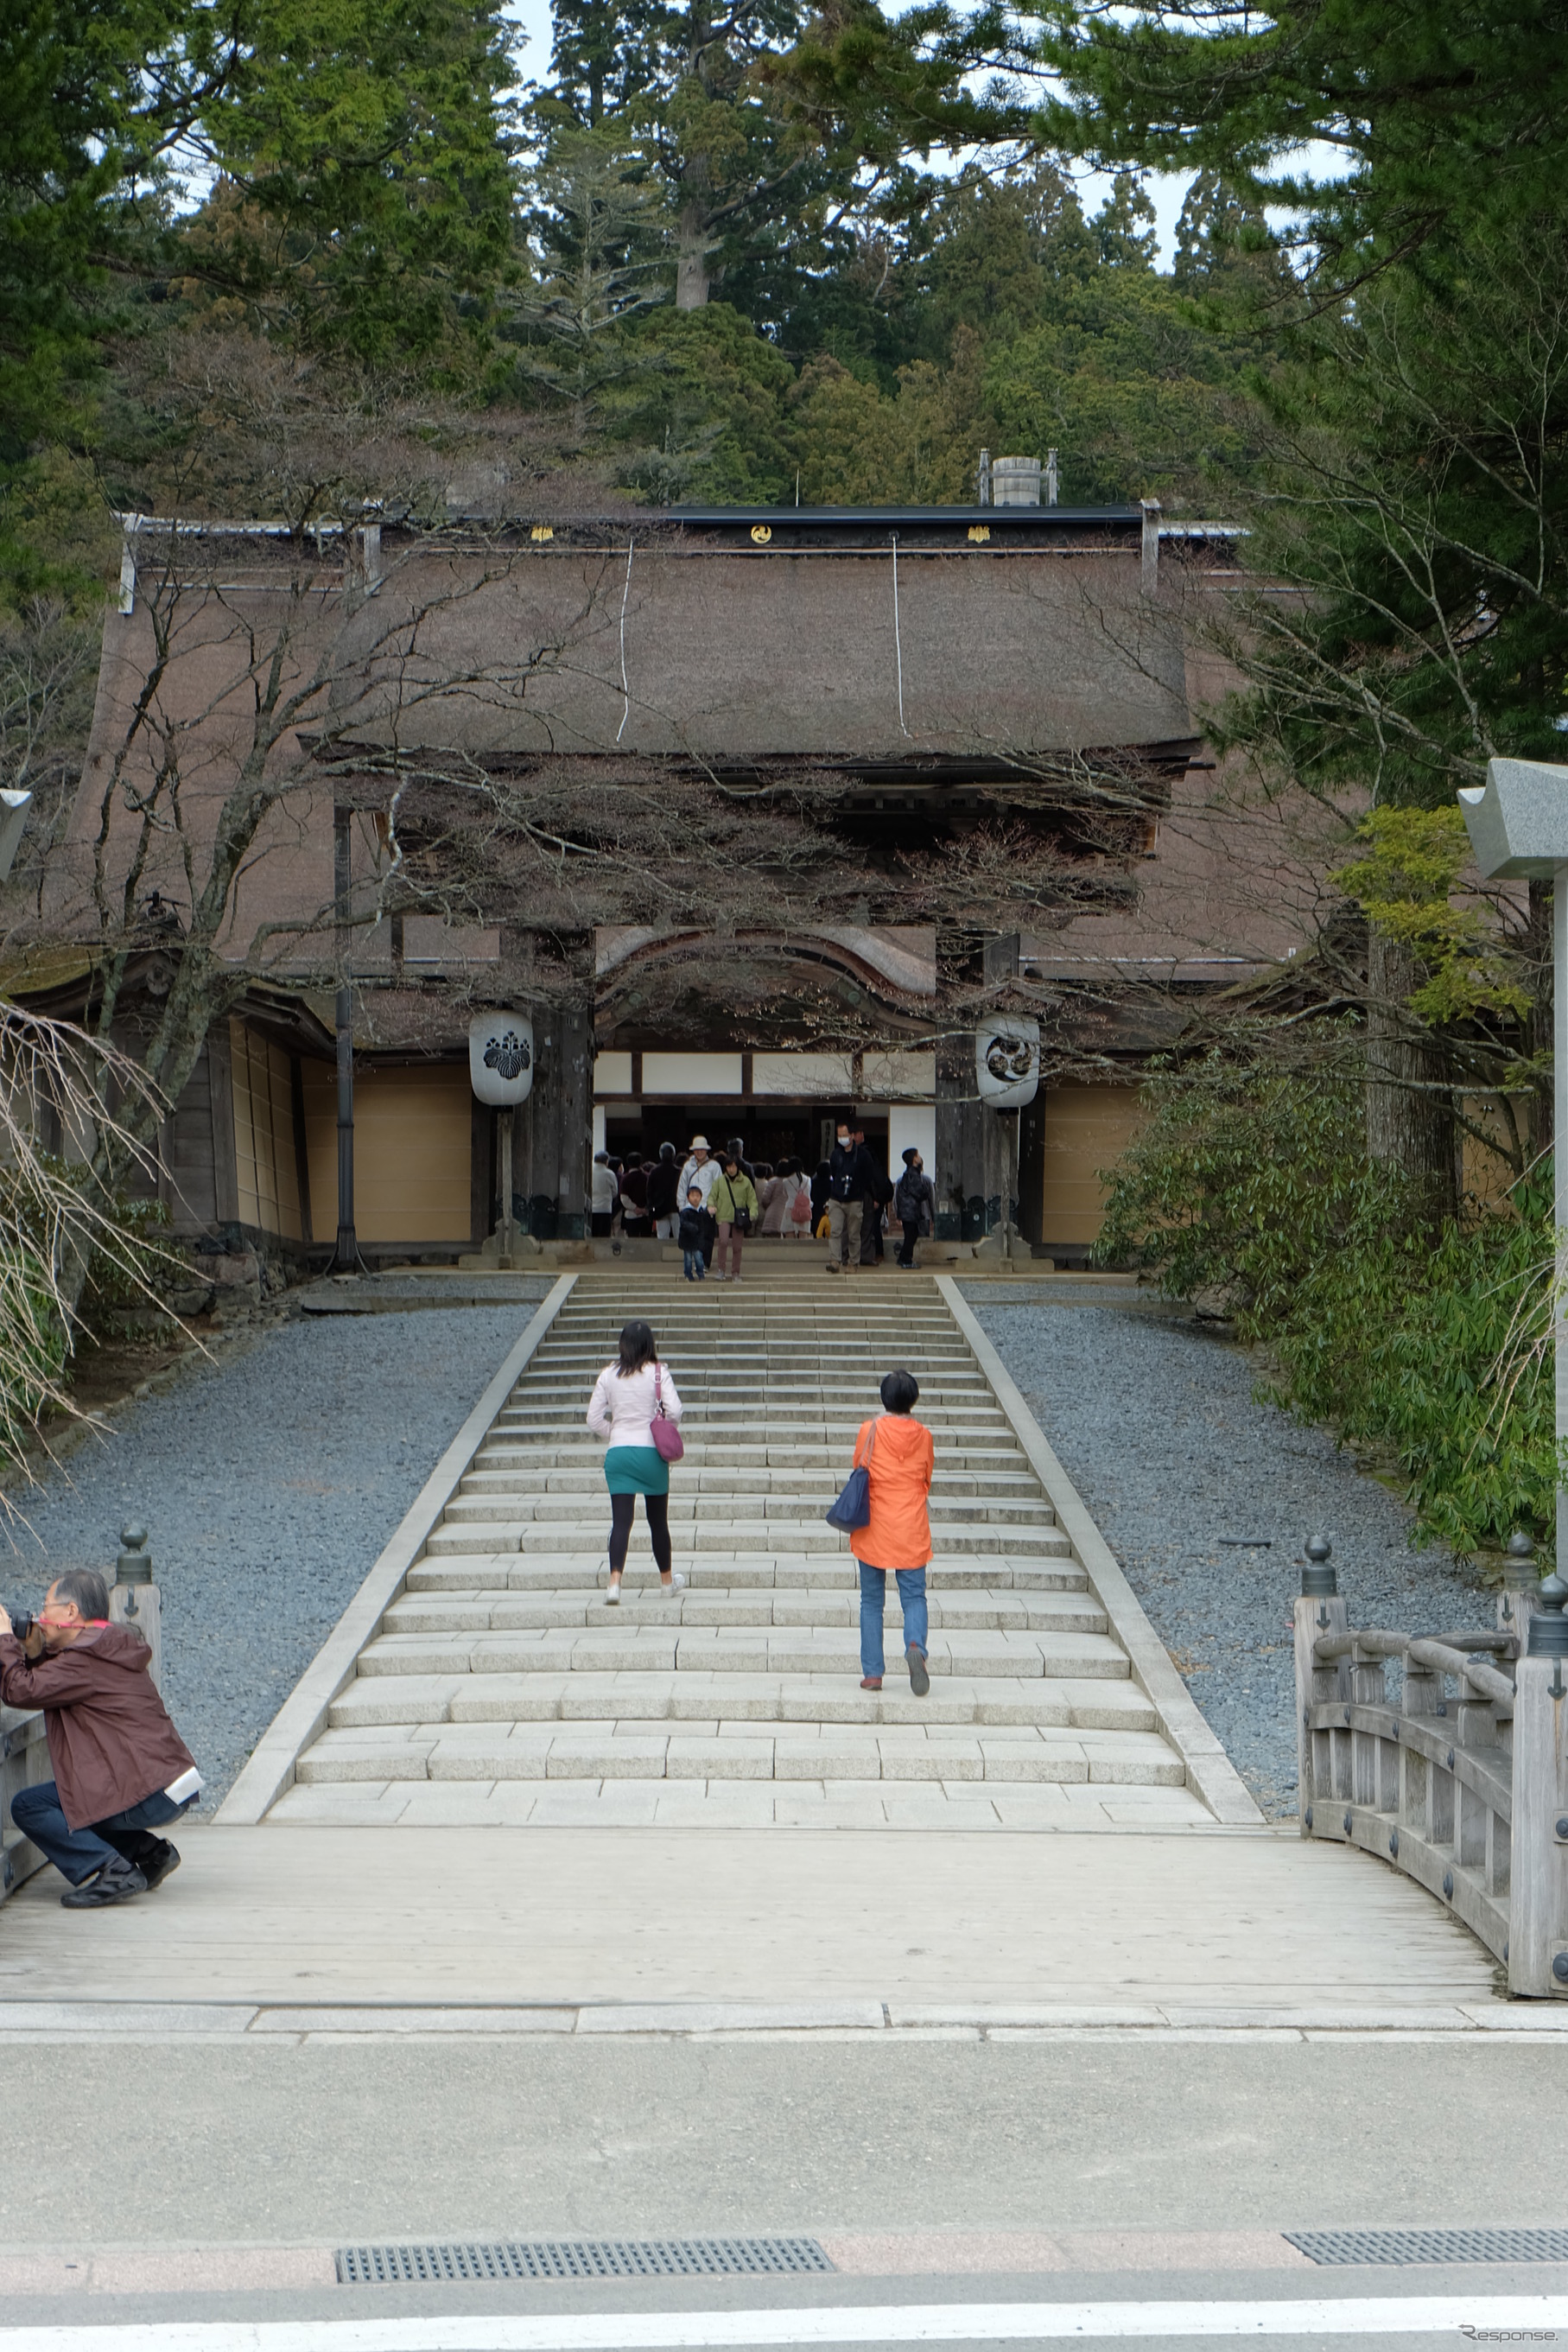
(1514, 2317)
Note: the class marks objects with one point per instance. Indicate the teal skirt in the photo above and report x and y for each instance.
(636, 1470)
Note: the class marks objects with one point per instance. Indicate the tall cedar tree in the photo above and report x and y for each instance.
(366, 167)
(1439, 110)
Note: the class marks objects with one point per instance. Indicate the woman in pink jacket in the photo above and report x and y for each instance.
(626, 1396)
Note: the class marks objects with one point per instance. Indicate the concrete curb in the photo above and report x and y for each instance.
(1210, 1774)
(845, 2017)
(303, 1714)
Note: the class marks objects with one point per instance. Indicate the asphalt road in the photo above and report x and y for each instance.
(325, 2140)
(319, 2142)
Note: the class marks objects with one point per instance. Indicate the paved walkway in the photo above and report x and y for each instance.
(806, 1927)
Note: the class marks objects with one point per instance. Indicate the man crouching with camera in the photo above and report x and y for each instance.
(122, 1771)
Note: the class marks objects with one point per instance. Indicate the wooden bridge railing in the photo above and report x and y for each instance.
(1461, 1779)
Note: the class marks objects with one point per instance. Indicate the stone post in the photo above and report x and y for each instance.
(1537, 1892)
(134, 1600)
(1319, 1609)
(1516, 1602)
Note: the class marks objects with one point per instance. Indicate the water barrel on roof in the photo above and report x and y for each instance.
(1015, 481)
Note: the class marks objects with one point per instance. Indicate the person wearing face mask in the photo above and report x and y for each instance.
(851, 1180)
(913, 1204)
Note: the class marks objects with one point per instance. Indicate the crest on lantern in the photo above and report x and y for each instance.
(501, 1057)
(1007, 1062)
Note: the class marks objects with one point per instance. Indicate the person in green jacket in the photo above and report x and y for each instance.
(733, 1205)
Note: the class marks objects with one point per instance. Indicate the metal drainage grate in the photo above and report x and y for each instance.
(571, 2258)
(1431, 2245)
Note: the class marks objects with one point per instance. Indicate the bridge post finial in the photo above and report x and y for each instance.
(1319, 1609)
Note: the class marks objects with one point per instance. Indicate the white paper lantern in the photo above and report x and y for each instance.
(501, 1057)
(1007, 1062)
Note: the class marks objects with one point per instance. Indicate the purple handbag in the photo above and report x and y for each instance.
(668, 1442)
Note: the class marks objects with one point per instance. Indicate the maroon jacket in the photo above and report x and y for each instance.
(110, 1739)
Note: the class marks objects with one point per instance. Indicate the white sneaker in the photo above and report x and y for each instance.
(677, 1583)
(613, 1598)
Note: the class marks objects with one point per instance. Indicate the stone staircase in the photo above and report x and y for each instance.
(499, 1688)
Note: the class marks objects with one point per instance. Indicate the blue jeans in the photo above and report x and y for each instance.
(80, 1855)
(873, 1599)
(695, 1266)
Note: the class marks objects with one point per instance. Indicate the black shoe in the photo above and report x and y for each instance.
(919, 1680)
(117, 1882)
(160, 1866)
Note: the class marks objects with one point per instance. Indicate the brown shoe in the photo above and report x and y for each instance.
(871, 1682)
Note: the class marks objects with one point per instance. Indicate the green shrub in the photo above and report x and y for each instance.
(33, 1343)
(1255, 1184)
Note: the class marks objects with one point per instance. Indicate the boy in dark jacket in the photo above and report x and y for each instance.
(913, 1204)
(694, 1236)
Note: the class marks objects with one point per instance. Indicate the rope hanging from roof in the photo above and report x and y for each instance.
(625, 690)
(897, 639)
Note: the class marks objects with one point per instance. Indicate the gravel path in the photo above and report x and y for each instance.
(270, 1482)
(1159, 1430)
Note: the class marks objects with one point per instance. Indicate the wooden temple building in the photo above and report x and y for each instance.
(936, 663)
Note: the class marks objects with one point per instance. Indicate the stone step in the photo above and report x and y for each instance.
(916, 1808)
(741, 1481)
(808, 1503)
(697, 1697)
(559, 1421)
(762, 1538)
(782, 1372)
(740, 1751)
(587, 1452)
(808, 1343)
(765, 1363)
(783, 1378)
(500, 1686)
(954, 1611)
(585, 1571)
(754, 1311)
(629, 1646)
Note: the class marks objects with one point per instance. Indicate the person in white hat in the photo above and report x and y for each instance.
(701, 1170)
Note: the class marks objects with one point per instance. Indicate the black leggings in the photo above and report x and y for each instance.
(621, 1508)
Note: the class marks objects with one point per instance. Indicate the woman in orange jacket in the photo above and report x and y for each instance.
(898, 1453)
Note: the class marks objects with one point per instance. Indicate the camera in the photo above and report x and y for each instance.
(22, 1623)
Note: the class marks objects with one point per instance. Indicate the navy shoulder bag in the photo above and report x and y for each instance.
(852, 1508)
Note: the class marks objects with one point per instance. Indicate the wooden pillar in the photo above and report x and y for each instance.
(1316, 1614)
(576, 1028)
(503, 1219)
(347, 1252)
(1425, 1790)
(562, 1123)
(1032, 1169)
(1538, 1861)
